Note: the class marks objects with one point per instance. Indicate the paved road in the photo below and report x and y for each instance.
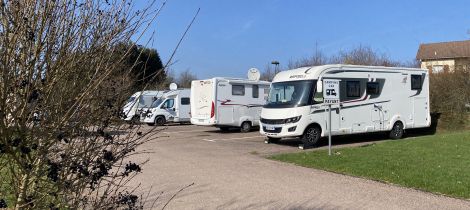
(229, 172)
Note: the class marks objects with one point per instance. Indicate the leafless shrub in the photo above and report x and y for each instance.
(450, 96)
(61, 145)
(184, 79)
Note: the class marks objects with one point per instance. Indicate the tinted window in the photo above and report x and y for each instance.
(373, 88)
(238, 90)
(185, 101)
(353, 89)
(255, 90)
(416, 82)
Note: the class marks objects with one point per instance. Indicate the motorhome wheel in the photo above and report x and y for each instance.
(397, 131)
(311, 136)
(160, 120)
(135, 120)
(246, 127)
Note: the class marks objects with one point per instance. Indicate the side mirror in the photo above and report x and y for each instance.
(319, 86)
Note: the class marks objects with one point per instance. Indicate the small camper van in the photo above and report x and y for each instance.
(228, 102)
(173, 106)
(137, 102)
(371, 99)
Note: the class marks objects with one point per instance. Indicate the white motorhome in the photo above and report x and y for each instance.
(372, 99)
(138, 101)
(228, 102)
(173, 106)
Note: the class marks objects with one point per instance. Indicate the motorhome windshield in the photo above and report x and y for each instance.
(157, 102)
(290, 94)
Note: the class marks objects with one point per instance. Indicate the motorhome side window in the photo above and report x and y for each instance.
(255, 91)
(373, 88)
(185, 101)
(238, 90)
(353, 89)
(416, 82)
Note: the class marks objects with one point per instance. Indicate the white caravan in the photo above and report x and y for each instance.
(173, 106)
(372, 99)
(139, 101)
(228, 102)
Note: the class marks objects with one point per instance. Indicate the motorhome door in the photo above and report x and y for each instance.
(169, 107)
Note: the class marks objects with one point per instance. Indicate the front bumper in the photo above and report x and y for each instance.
(281, 130)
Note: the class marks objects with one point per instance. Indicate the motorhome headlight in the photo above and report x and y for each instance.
(292, 119)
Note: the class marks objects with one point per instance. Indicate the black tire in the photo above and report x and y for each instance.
(311, 136)
(135, 120)
(397, 131)
(160, 120)
(224, 129)
(245, 127)
(273, 140)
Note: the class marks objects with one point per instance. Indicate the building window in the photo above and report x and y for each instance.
(373, 88)
(255, 91)
(238, 90)
(185, 101)
(416, 82)
(437, 68)
(353, 89)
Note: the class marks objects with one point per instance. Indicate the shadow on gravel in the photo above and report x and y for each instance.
(359, 138)
(231, 131)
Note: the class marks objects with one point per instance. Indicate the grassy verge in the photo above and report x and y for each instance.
(439, 164)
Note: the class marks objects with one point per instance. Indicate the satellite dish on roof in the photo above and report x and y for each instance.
(253, 74)
(173, 86)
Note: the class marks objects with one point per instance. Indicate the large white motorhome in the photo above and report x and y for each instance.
(173, 106)
(138, 101)
(228, 102)
(372, 99)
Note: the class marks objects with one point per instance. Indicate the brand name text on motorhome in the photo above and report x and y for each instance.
(297, 76)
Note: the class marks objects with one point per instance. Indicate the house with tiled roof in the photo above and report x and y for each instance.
(445, 56)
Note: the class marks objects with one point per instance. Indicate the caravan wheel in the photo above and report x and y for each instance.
(397, 131)
(246, 127)
(311, 136)
(160, 120)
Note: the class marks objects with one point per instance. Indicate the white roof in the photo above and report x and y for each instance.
(314, 72)
(149, 92)
(239, 80)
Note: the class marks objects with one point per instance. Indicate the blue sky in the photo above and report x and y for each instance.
(231, 36)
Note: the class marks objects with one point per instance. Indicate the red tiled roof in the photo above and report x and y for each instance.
(457, 49)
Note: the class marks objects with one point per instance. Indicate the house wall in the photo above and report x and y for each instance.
(433, 64)
(462, 64)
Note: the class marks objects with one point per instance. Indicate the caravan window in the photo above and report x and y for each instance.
(238, 90)
(353, 89)
(373, 88)
(416, 82)
(185, 101)
(255, 91)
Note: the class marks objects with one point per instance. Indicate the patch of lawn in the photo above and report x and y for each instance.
(439, 164)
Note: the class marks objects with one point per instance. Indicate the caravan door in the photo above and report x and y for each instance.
(226, 104)
(183, 109)
(170, 110)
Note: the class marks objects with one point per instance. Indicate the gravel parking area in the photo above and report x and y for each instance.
(229, 171)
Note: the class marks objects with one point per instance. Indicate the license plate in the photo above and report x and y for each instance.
(270, 128)
(201, 120)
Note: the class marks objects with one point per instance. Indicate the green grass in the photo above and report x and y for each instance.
(439, 164)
